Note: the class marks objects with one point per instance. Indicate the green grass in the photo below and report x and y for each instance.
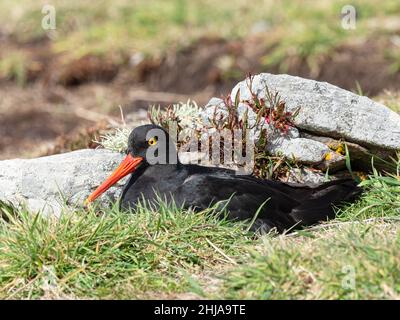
(382, 200)
(105, 253)
(172, 253)
(356, 261)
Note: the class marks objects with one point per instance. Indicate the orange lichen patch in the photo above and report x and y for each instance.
(340, 150)
(328, 156)
(361, 175)
(338, 147)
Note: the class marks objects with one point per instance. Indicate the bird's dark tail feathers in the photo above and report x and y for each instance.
(319, 203)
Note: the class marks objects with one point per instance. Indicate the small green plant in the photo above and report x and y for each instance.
(272, 109)
(359, 90)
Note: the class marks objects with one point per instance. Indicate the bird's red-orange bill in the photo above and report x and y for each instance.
(127, 166)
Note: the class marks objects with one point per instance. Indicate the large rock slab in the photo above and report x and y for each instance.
(47, 183)
(329, 110)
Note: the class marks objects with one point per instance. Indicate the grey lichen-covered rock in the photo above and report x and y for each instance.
(44, 183)
(302, 150)
(305, 176)
(292, 146)
(330, 110)
(311, 176)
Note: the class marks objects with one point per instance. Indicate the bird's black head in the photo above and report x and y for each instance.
(153, 144)
(147, 145)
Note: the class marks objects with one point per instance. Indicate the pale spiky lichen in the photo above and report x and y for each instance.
(116, 140)
(187, 115)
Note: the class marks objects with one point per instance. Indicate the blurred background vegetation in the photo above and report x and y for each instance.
(59, 88)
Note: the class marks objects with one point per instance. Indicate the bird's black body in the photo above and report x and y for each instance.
(284, 206)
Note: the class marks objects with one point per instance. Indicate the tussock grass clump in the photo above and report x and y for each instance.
(381, 197)
(103, 253)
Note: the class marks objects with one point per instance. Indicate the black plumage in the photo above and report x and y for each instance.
(284, 206)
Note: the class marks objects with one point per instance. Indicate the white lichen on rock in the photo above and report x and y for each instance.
(115, 140)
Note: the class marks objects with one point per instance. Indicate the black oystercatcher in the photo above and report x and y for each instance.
(283, 206)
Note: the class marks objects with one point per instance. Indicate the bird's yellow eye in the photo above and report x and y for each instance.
(152, 141)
